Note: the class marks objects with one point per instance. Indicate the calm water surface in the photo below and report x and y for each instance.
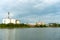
(30, 34)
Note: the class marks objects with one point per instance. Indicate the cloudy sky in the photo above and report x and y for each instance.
(31, 11)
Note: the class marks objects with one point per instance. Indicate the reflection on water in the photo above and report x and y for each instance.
(30, 34)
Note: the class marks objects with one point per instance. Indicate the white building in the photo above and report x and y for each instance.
(10, 20)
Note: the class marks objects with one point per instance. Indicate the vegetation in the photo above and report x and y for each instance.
(13, 25)
(40, 26)
(54, 25)
(10, 25)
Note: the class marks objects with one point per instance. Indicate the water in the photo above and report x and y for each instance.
(30, 34)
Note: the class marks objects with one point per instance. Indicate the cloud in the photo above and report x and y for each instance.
(31, 10)
(51, 18)
(48, 18)
(45, 3)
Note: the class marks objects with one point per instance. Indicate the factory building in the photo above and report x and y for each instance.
(10, 20)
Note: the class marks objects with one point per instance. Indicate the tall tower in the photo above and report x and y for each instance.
(8, 15)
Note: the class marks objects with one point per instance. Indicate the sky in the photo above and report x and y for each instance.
(31, 11)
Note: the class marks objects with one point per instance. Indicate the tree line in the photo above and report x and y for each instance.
(10, 25)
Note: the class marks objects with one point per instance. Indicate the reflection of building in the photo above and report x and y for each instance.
(10, 20)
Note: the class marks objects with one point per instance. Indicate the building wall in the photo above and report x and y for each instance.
(17, 22)
(6, 21)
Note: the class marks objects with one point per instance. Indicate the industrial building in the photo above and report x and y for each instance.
(10, 20)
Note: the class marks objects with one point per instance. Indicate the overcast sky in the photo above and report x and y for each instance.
(31, 11)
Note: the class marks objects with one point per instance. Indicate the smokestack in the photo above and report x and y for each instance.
(8, 15)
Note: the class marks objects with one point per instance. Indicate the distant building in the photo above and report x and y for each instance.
(40, 23)
(10, 20)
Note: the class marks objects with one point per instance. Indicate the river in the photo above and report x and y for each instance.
(30, 34)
